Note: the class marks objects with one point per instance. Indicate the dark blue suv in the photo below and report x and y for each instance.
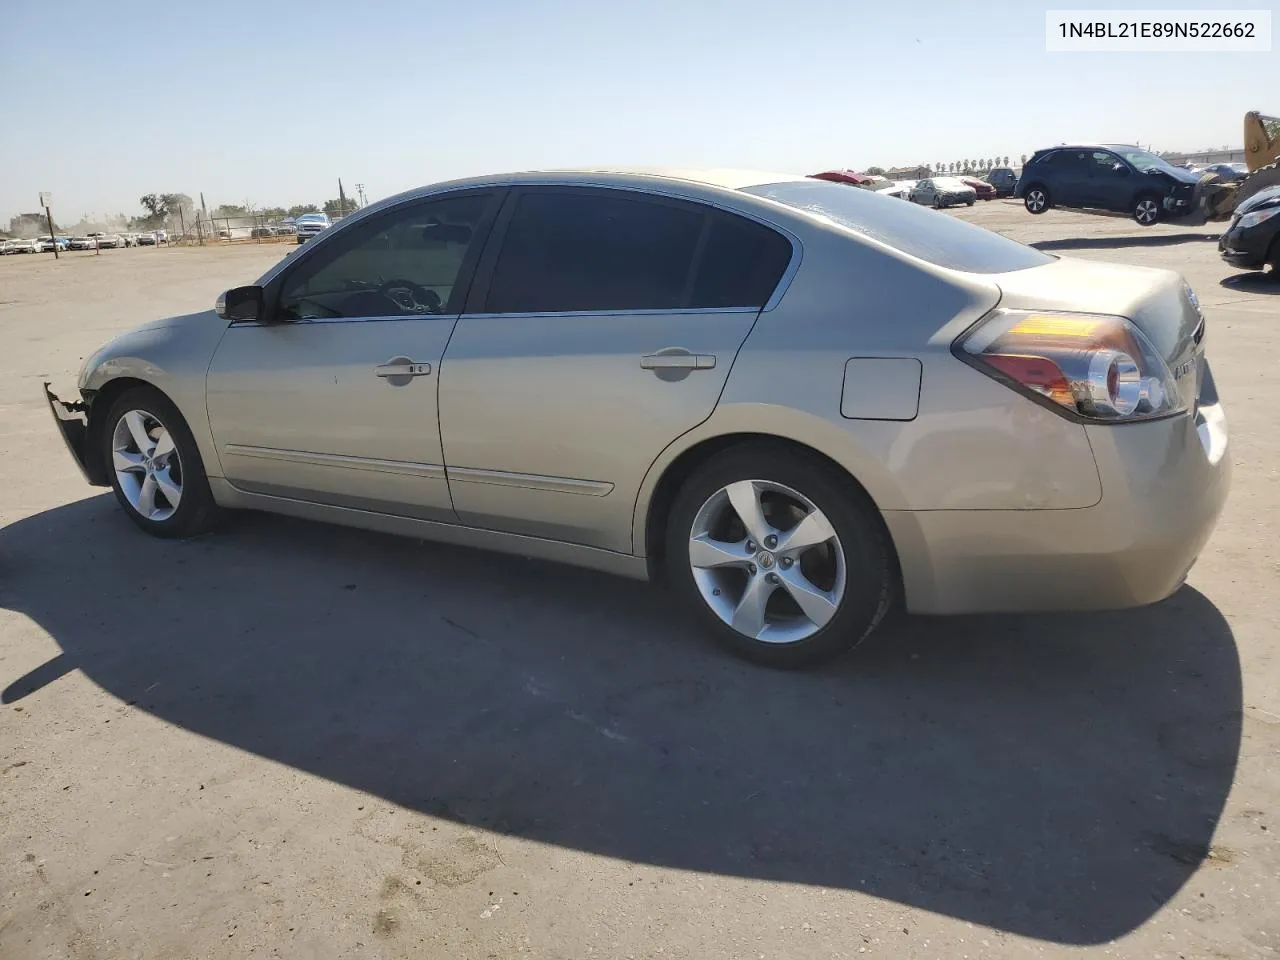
(1107, 177)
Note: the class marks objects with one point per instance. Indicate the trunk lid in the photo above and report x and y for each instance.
(1158, 302)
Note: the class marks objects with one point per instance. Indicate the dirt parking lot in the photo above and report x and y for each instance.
(291, 740)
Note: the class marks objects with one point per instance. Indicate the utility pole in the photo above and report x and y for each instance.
(360, 190)
(45, 200)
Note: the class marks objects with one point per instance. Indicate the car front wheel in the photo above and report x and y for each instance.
(1146, 210)
(1036, 200)
(155, 467)
(779, 556)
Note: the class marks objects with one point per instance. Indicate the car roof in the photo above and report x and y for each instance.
(1090, 146)
(724, 178)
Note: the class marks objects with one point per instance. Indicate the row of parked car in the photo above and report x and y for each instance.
(88, 241)
(937, 192)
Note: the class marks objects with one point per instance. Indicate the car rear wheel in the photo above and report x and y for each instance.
(1146, 210)
(1036, 199)
(781, 557)
(155, 467)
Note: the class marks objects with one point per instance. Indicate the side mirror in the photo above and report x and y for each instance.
(1120, 170)
(240, 303)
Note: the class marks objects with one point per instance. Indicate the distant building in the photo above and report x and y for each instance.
(909, 173)
(1206, 156)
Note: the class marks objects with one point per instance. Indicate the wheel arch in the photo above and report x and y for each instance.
(653, 511)
(102, 399)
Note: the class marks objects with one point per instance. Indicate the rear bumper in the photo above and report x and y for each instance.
(1164, 485)
(72, 421)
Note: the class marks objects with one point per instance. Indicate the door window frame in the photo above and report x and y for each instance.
(341, 238)
(483, 277)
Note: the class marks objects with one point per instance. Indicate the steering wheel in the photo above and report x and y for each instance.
(410, 297)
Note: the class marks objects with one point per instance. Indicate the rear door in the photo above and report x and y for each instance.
(1069, 182)
(602, 326)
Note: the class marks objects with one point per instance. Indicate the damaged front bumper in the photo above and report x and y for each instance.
(72, 420)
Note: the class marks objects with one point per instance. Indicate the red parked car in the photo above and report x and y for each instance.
(844, 176)
(985, 190)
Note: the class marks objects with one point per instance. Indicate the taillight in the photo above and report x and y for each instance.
(1099, 367)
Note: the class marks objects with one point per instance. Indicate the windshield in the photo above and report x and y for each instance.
(938, 238)
(1142, 159)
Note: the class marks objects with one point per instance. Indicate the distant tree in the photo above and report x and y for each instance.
(163, 207)
(298, 209)
(1005, 161)
(875, 171)
(229, 210)
(1024, 160)
(334, 207)
(272, 213)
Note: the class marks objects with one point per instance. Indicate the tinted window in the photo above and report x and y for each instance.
(586, 251)
(740, 265)
(401, 263)
(1103, 162)
(937, 238)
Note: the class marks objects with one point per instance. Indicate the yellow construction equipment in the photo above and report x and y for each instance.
(1217, 200)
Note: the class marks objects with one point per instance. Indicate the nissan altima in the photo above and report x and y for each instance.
(796, 404)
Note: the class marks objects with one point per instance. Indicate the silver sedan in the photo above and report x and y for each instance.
(797, 404)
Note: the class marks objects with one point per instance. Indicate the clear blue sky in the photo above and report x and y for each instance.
(273, 100)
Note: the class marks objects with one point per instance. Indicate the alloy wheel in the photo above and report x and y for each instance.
(1035, 201)
(767, 561)
(147, 465)
(1146, 212)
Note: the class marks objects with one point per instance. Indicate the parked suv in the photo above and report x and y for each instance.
(1004, 180)
(1109, 177)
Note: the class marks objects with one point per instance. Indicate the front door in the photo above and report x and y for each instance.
(1110, 181)
(333, 398)
(604, 326)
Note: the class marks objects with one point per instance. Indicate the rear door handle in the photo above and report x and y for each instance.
(402, 368)
(678, 361)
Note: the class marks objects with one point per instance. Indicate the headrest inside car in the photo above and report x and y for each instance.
(447, 232)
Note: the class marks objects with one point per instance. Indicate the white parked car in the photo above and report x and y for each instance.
(82, 243)
(22, 246)
(895, 190)
(311, 225)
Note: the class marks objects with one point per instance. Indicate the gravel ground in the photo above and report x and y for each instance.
(292, 740)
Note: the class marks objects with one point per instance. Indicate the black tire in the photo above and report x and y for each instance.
(1037, 199)
(968, 203)
(937, 203)
(196, 512)
(870, 571)
(1146, 209)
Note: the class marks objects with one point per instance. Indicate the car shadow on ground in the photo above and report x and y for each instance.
(1115, 243)
(1254, 282)
(1055, 776)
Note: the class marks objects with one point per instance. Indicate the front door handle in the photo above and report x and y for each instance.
(678, 361)
(400, 367)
